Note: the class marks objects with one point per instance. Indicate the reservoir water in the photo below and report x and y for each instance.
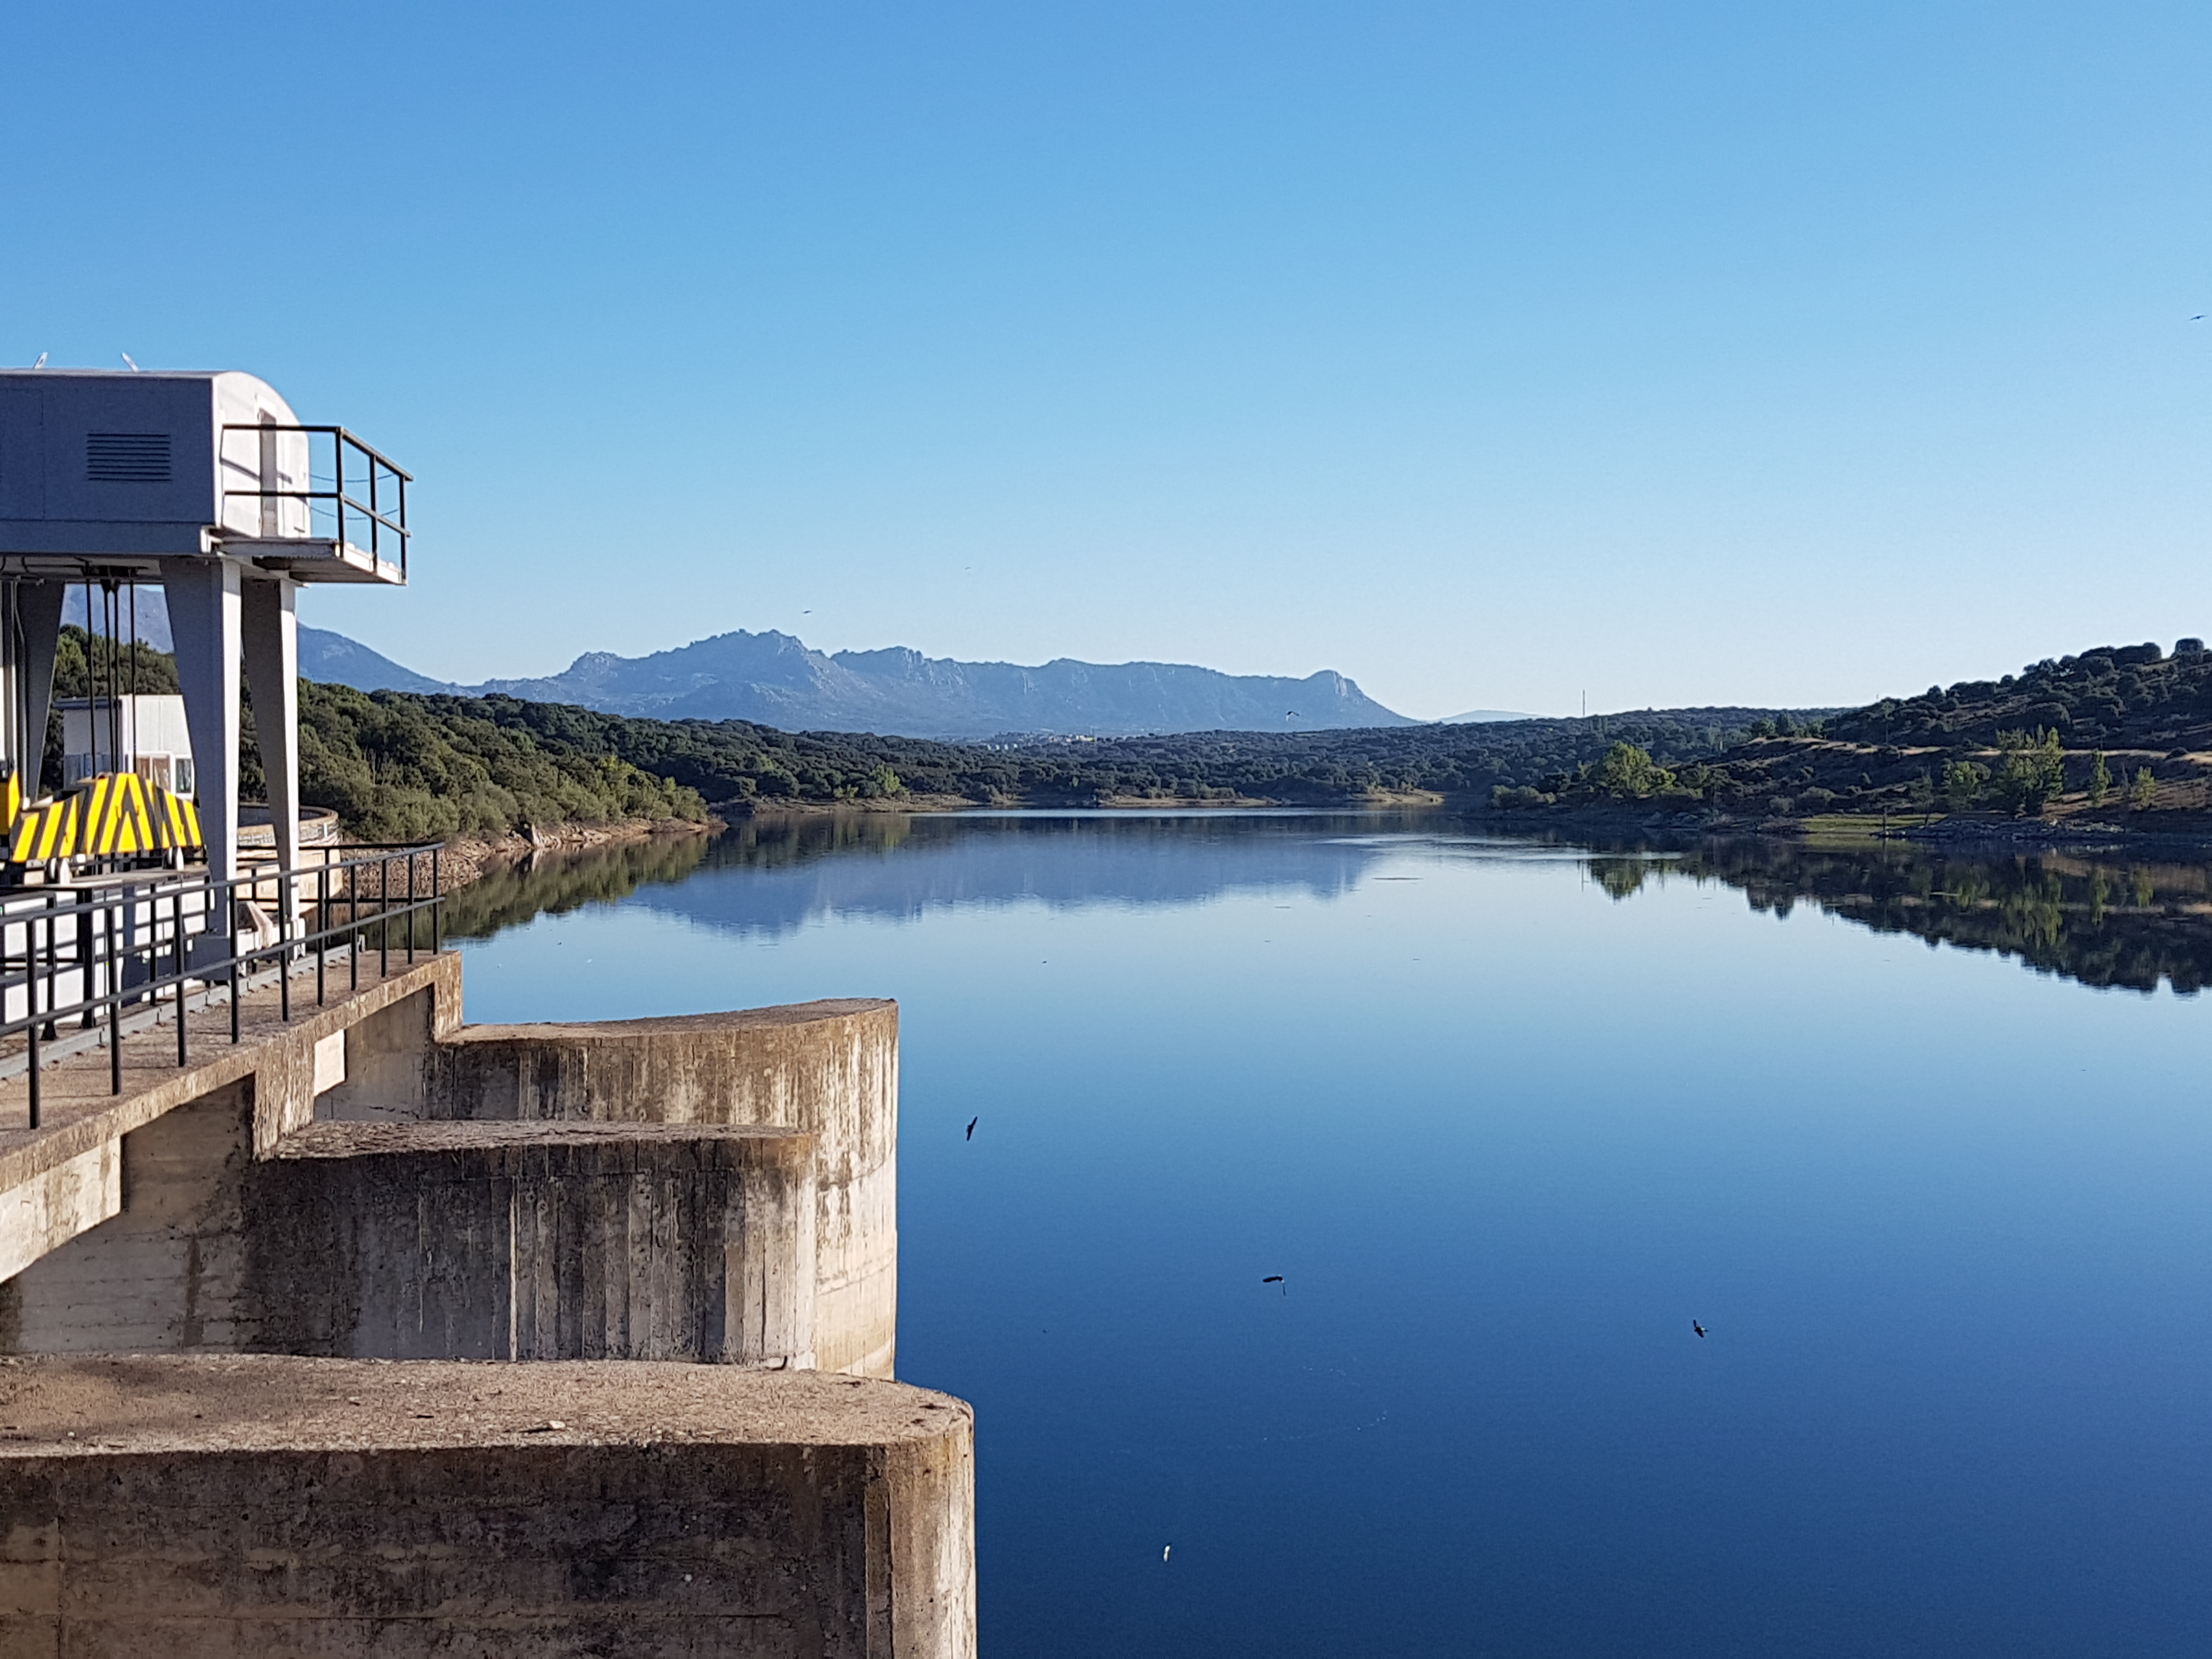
(1506, 1118)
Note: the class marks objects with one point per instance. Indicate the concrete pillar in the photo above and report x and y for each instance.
(270, 617)
(38, 616)
(205, 622)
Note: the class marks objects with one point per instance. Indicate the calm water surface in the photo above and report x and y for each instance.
(1507, 1118)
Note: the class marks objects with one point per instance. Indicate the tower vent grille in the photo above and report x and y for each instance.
(126, 457)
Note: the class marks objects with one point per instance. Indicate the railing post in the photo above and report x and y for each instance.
(411, 907)
(33, 1074)
(230, 931)
(384, 915)
(437, 903)
(114, 1012)
(177, 926)
(322, 913)
(53, 993)
(353, 926)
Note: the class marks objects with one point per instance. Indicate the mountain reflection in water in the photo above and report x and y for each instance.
(770, 877)
(2132, 924)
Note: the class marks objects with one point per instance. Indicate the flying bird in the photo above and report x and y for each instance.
(1273, 1278)
(42, 363)
(1164, 1548)
(1696, 1327)
(126, 358)
(972, 1122)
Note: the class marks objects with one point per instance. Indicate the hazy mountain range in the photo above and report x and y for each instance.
(777, 680)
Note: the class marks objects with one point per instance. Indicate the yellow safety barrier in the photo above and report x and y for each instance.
(111, 815)
(47, 830)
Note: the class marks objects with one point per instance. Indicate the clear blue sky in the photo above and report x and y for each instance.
(1774, 354)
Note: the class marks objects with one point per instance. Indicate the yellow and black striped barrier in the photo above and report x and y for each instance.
(111, 815)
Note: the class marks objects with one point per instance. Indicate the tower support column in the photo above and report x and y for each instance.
(204, 623)
(33, 625)
(268, 611)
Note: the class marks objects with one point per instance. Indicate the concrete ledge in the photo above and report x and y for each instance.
(535, 1241)
(200, 1507)
(81, 1113)
(828, 1067)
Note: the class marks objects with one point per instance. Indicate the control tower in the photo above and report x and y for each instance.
(208, 484)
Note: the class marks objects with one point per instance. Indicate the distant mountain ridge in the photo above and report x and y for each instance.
(777, 680)
(334, 659)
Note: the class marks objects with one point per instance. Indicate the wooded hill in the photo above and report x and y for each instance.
(396, 769)
(2116, 729)
(739, 765)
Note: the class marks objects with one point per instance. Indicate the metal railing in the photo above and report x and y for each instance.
(108, 963)
(382, 517)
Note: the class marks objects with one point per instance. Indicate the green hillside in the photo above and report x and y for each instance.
(2117, 730)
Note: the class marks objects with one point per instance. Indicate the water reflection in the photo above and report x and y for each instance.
(2134, 924)
(2131, 924)
(770, 877)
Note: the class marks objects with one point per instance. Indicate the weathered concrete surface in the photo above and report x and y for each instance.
(535, 1240)
(829, 1068)
(201, 1506)
(166, 1272)
(50, 1209)
(169, 1273)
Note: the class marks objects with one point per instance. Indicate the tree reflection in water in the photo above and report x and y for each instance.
(2104, 922)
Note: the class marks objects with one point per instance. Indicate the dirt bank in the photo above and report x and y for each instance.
(468, 857)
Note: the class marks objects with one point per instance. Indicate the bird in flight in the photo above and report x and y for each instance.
(1163, 1551)
(1696, 1327)
(972, 1122)
(1276, 1279)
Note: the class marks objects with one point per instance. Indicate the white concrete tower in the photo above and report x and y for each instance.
(208, 484)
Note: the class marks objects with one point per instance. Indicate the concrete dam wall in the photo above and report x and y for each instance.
(641, 1282)
(227, 1242)
(536, 1241)
(207, 1508)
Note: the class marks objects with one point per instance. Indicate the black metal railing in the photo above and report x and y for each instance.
(85, 966)
(332, 508)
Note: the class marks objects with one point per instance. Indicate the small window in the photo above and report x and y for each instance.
(126, 457)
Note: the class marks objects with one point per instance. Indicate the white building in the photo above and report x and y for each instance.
(148, 735)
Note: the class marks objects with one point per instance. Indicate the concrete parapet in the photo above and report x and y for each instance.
(129, 1218)
(535, 1240)
(202, 1506)
(829, 1068)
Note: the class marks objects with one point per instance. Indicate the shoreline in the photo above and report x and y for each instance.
(469, 857)
(1379, 800)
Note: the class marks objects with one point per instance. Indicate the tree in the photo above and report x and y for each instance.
(2100, 779)
(2032, 771)
(2144, 792)
(1963, 782)
(1627, 769)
